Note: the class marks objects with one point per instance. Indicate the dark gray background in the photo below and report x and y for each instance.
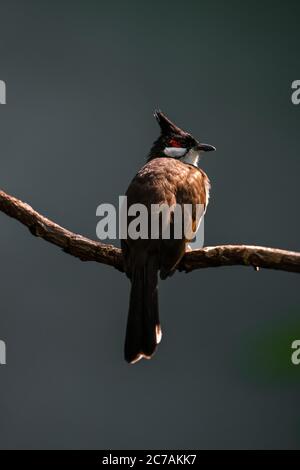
(83, 78)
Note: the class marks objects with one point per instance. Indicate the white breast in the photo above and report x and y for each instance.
(191, 157)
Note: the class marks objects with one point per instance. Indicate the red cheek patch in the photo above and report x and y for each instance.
(174, 143)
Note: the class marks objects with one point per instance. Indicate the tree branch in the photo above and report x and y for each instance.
(89, 250)
(72, 243)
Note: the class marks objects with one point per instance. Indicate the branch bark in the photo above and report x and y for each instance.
(89, 250)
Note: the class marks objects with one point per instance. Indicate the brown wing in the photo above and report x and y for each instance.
(193, 193)
(192, 189)
(164, 181)
(150, 186)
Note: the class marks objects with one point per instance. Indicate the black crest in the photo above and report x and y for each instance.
(168, 127)
(169, 133)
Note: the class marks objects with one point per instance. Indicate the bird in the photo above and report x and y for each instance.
(170, 176)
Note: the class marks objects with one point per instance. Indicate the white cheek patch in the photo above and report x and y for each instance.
(175, 152)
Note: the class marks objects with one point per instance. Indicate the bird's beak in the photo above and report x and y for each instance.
(206, 148)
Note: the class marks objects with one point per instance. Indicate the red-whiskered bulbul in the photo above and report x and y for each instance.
(170, 176)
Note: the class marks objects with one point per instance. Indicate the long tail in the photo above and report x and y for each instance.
(143, 331)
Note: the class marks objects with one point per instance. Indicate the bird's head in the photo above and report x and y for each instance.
(173, 142)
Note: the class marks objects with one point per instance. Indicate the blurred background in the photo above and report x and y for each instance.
(83, 79)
